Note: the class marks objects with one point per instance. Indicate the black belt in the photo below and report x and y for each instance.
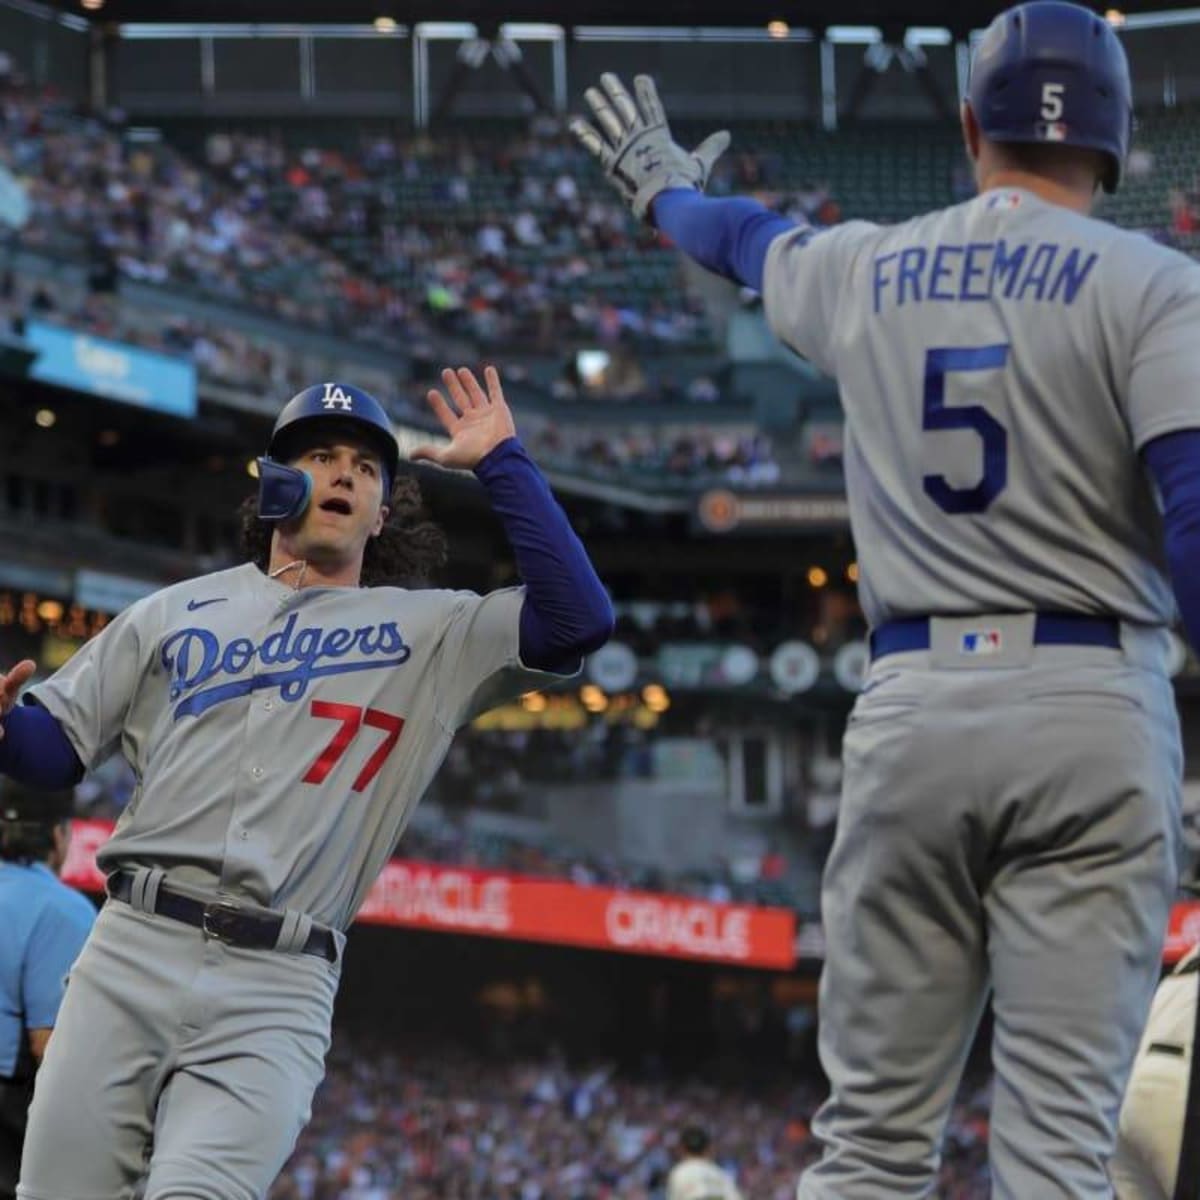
(225, 920)
(1049, 629)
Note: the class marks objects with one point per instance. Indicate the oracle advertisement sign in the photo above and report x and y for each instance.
(428, 896)
(496, 904)
(1183, 930)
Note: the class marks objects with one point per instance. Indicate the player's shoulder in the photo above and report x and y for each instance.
(1137, 255)
(420, 603)
(217, 585)
(1133, 255)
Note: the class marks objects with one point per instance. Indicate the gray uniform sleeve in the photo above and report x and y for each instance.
(1164, 377)
(91, 694)
(804, 284)
(480, 663)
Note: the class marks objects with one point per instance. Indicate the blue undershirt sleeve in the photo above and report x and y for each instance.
(730, 237)
(1174, 461)
(35, 750)
(566, 613)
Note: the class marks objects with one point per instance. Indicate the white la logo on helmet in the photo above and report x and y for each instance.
(335, 398)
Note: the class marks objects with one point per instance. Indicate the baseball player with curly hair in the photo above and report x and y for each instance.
(282, 718)
(1017, 379)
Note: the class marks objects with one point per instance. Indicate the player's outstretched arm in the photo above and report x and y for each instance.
(566, 612)
(34, 750)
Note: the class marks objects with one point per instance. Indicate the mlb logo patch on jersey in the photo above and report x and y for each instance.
(1004, 200)
(981, 642)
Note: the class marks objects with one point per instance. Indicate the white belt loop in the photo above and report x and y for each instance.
(1146, 646)
(293, 931)
(143, 892)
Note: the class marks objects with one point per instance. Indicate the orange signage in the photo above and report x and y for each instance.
(496, 904)
(1183, 930)
(430, 896)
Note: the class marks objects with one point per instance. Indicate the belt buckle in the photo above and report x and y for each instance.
(218, 920)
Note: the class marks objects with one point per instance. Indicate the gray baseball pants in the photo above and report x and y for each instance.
(1009, 825)
(179, 1065)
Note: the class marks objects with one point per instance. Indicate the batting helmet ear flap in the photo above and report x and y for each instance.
(283, 491)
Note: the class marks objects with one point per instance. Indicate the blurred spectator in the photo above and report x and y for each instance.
(431, 1122)
(1183, 214)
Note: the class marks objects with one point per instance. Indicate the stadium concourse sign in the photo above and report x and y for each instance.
(117, 371)
(451, 899)
(721, 512)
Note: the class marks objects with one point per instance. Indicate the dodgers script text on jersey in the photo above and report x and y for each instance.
(197, 656)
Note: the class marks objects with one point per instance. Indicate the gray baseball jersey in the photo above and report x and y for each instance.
(1009, 821)
(999, 362)
(281, 738)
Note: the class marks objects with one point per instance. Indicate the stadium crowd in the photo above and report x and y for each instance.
(258, 227)
(494, 240)
(227, 357)
(439, 1123)
(396, 241)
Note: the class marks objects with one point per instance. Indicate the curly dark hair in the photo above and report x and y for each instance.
(407, 553)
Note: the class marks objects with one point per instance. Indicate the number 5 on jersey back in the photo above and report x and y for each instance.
(937, 418)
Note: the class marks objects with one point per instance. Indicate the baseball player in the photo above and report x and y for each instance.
(1150, 1133)
(1017, 378)
(696, 1176)
(282, 722)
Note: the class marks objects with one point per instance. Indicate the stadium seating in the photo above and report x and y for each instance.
(425, 1120)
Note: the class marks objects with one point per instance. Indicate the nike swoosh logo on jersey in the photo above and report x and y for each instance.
(192, 605)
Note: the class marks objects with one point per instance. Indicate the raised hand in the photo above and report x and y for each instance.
(11, 685)
(632, 142)
(476, 421)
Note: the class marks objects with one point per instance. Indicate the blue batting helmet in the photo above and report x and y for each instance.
(1052, 72)
(283, 491)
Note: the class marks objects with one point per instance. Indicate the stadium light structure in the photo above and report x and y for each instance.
(854, 35)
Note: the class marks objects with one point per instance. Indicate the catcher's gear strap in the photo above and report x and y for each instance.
(1187, 1178)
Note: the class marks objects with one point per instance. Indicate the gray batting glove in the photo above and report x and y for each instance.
(634, 145)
